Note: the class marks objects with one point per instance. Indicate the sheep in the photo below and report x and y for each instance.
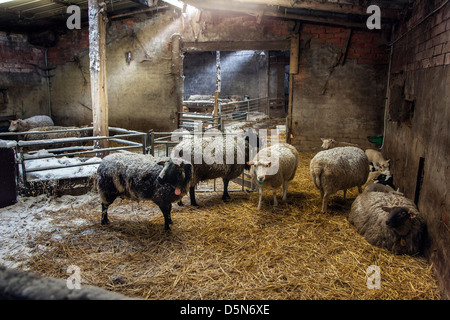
(338, 169)
(18, 285)
(273, 167)
(20, 125)
(56, 135)
(223, 165)
(386, 179)
(390, 221)
(378, 187)
(330, 143)
(376, 159)
(139, 176)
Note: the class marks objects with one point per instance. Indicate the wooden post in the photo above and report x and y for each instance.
(97, 58)
(218, 86)
(293, 69)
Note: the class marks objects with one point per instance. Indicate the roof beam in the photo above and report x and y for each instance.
(325, 6)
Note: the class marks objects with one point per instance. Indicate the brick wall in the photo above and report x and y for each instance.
(420, 43)
(17, 55)
(365, 47)
(341, 101)
(420, 78)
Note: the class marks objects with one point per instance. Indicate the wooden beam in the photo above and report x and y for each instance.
(328, 14)
(343, 8)
(97, 59)
(235, 45)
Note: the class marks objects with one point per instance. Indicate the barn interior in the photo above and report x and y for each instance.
(140, 69)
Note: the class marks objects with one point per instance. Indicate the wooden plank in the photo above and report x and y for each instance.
(295, 46)
(97, 57)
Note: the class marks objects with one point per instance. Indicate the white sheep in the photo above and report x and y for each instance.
(20, 125)
(274, 167)
(330, 143)
(337, 169)
(377, 160)
(389, 220)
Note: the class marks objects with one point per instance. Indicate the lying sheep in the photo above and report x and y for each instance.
(20, 125)
(386, 179)
(56, 135)
(378, 187)
(330, 143)
(338, 169)
(377, 160)
(390, 221)
(138, 176)
(274, 167)
(226, 167)
(19, 285)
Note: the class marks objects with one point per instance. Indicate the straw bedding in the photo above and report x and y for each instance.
(233, 251)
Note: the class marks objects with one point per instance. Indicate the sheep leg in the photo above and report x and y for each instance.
(345, 193)
(192, 196)
(105, 219)
(275, 202)
(225, 195)
(325, 202)
(260, 198)
(285, 188)
(166, 213)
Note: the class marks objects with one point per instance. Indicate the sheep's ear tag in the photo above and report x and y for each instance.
(411, 215)
(402, 242)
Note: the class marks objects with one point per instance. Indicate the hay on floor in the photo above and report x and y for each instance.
(233, 251)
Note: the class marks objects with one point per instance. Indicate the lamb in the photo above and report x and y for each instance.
(330, 143)
(338, 169)
(225, 167)
(139, 176)
(20, 125)
(390, 221)
(266, 173)
(377, 160)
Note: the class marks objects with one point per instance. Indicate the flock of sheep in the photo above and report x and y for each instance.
(381, 214)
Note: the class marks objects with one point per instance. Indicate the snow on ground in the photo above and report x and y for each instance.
(31, 217)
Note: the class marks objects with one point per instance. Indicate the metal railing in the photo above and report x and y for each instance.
(246, 110)
(235, 111)
(122, 138)
(160, 144)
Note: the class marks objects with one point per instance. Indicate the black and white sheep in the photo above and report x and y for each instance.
(20, 125)
(138, 176)
(217, 157)
(337, 169)
(389, 220)
(274, 167)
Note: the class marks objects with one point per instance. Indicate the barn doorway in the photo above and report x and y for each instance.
(245, 74)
